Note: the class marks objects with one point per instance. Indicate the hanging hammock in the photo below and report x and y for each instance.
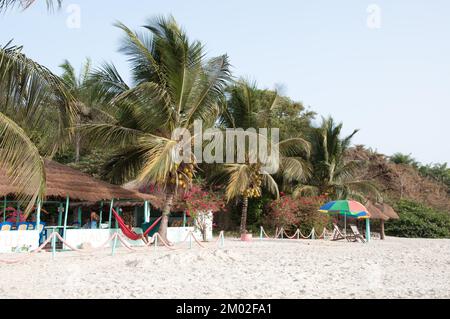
(130, 233)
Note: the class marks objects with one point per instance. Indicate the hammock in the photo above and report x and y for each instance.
(128, 232)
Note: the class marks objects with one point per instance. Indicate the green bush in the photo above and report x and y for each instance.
(419, 221)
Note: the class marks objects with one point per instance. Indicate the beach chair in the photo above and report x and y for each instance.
(6, 226)
(337, 234)
(356, 236)
(22, 226)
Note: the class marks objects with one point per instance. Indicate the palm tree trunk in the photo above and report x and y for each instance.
(165, 214)
(77, 147)
(243, 227)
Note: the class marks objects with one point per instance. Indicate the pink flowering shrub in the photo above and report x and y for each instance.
(292, 213)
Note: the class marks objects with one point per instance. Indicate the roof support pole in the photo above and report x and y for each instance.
(4, 209)
(38, 219)
(146, 213)
(110, 212)
(101, 214)
(60, 211)
(368, 229)
(66, 212)
(80, 212)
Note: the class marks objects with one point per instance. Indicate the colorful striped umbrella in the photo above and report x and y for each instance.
(348, 208)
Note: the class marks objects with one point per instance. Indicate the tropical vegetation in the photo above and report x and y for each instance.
(122, 132)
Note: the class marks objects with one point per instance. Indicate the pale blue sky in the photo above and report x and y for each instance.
(393, 83)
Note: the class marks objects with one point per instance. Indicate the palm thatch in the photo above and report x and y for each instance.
(375, 212)
(387, 211)
(158, 194)
(63, 181)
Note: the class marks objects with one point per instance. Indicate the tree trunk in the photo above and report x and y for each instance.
(165, 214)
(77, 147)
(243, 227)
(382, 235)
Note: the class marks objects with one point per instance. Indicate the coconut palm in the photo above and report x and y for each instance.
(84, 91)
(248, 107)
(174, 85)
(25, 4)
(32, 100)
(332, 174)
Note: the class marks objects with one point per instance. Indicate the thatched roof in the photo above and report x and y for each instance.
(381, 211)
(375, 212)
(63, 181)
(178, 205)
(387, 211)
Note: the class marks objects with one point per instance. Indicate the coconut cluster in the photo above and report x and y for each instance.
(183, 175)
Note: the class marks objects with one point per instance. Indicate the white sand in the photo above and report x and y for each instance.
(395, 268)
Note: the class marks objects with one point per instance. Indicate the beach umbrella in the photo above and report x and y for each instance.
(346, 208)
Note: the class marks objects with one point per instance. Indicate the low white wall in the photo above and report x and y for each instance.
(18, 240)
(97, 237)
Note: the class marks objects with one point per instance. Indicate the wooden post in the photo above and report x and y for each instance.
(66, 213)
(382, 234)
(313, 234)
(110, 212)
(184, 219)
(367, 229)
(261, 233)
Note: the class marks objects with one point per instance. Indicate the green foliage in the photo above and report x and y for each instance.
(405, 159)
(419, 221)
(333, 175)
(438, 172)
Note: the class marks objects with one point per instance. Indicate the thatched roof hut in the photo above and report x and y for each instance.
(387, 210)
(63, 181)
(383, 212)
(375, 212)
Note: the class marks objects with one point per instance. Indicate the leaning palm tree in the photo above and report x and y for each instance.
(174, 85)
(30, 98)
(332, 174)
(249, 107)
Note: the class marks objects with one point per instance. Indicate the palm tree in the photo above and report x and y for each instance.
(25, 4)
(332, 174)
(84, 90)
(32, 100)
(248, 107)
(174, 85)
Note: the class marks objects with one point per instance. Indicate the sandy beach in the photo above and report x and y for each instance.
(395, 268)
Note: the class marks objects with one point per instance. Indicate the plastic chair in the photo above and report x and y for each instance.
(22, 226)
(6, 226)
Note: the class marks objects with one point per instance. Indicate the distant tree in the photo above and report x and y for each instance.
(405, 159)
